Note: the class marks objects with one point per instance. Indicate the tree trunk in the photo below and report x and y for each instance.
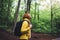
(51, 18)
(38, 13)
(35, 11)
(8, 12)
(16, 14)
(28, 5)
(9, 6)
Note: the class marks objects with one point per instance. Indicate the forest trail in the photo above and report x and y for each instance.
(38, 36)
(4, 35)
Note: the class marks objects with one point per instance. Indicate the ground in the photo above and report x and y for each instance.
(4, 35)
(39, 36)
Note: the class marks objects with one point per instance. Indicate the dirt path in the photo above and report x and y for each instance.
(4, 35)
(38, 36)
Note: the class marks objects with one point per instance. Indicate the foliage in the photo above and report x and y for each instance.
(5, 10)
(41, 24)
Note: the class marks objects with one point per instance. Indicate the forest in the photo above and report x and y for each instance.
(45, 15)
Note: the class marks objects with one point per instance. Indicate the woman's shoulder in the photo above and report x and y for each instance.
(25, 22)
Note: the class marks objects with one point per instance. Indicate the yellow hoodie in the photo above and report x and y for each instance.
(26, 28)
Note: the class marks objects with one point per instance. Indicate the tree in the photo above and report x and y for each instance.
(9, 8)
(38, 12)
(16, 14)
(28, 5)
(5, 7)
(35, 10)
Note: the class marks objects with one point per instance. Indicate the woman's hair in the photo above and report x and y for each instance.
(27, 15)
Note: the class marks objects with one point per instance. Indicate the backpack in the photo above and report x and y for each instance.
(17, 31)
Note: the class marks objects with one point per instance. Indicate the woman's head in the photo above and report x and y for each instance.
(27, 15)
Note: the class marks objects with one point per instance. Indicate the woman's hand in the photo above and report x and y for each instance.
(30, 25)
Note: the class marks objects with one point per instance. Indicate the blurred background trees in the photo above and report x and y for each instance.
(5, 12)
(45, 14)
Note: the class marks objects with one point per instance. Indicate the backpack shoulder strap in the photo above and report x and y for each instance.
(27, 21)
